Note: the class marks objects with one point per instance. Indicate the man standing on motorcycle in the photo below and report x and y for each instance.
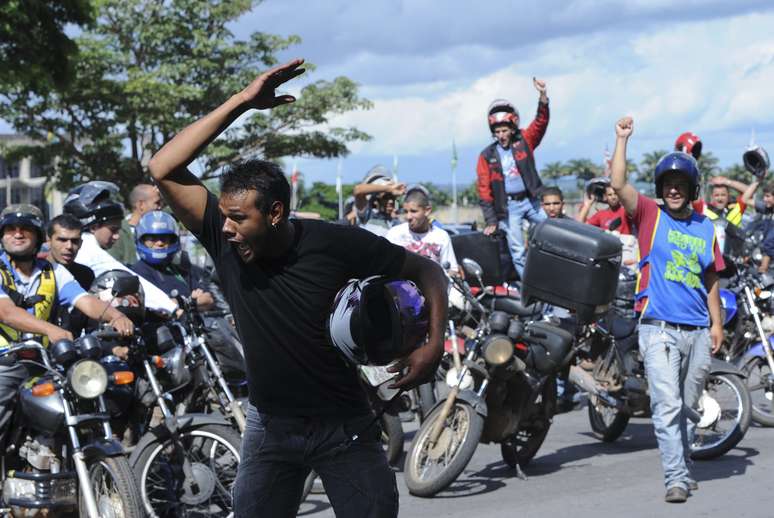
(508, 180)
(32, 289)
(678, 300)
(281, 277)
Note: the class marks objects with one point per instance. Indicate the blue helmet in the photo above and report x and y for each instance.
(678, 162)
(156, 223)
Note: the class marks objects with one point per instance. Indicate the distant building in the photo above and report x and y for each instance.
(23, 181)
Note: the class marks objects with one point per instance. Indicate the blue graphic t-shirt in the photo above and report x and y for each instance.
(513, 181)
(681, 252)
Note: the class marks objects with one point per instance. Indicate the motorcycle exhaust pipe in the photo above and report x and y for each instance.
(586, 382)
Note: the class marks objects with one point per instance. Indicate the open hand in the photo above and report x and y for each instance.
(260, 93)
(489, 230)
(624, 127)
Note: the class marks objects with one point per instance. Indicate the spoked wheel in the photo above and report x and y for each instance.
(607, 422)
(430, 468)
(726, 413)
(213, 454)
(115, 490)
(760, 383)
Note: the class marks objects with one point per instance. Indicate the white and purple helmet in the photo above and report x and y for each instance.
(378, 320)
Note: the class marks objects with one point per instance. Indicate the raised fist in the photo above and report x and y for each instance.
(624, 127)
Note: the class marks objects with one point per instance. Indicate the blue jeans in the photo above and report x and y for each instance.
(518, 211)
(278, 453)
(676, 365)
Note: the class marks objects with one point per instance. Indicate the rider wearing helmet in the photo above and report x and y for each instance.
(158, 242)
(94, 204)
(508, 181)
(31, 292)
(375, 199)
(678, 300)
(720, 205)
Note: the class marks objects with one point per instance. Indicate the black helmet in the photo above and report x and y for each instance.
(756, 160)
(378, 320)
(94, 202)
(102, 288)
(596, 188)
(26, 215)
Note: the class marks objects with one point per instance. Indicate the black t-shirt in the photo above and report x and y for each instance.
(83, 274)
(281, 308)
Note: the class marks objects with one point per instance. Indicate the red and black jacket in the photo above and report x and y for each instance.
(489, 170)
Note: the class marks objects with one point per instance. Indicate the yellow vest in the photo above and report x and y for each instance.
(733, 216)
(42, 302)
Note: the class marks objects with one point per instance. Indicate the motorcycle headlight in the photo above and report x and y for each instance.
(498, 349)
(174, 364)
(88, 379)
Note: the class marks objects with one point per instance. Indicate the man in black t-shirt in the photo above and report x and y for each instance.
(280, 278)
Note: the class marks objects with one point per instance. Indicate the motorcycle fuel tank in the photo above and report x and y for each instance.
(43, 413)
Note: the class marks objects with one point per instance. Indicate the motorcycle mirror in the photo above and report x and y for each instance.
(124, 286)
(472, 268)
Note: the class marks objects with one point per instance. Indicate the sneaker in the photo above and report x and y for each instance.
(693, 485)
(676, 495)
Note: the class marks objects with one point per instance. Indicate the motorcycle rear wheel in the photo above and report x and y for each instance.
(450, 454)
(214, 453)
(757, 370)
(607, 423)
(734, 409)
(115, 489)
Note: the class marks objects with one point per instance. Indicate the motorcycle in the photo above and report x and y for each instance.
(60, 456)
(504, 392)
(745, 303)
(618, 390)
(183, 464)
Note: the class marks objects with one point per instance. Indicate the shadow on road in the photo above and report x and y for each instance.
(732, 464)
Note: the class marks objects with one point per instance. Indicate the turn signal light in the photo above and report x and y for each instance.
(158, 361)
(123, 377)
(757, 291)
(43, 389)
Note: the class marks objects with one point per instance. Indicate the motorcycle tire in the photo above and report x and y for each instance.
(392, 437)
(462, 444)
(124, 499)
(606, 430)
(426, 397)
(159, 473)
(736, 433)
(525, 443)
(762, 408)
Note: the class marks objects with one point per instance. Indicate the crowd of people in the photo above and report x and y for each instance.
(279, 276)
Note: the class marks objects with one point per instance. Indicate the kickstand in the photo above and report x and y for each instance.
(520, 473)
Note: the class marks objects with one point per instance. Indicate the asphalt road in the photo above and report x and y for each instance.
(575, 475)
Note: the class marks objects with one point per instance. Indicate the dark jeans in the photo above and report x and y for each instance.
(278, 453)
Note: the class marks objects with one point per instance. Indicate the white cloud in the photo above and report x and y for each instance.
(710, 77)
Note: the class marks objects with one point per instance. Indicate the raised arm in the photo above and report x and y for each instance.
(169, 167)
(626, 193)
(362, 190)
(748, 195)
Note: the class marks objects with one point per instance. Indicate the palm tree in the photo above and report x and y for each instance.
(648, 165)
(553, 171)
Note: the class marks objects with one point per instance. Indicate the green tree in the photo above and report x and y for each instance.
(584, 169)
(708, 164)
(737, 172)
(146, 69)
(468, 196)
(648, 165)
(438, 197)
(553, 171)
(34, 49)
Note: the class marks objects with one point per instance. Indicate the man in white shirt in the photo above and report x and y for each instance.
(94, 205)
(419, 235)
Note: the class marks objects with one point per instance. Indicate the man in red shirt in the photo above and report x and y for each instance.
(604, 218)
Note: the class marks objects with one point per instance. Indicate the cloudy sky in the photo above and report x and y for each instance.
(431, 68)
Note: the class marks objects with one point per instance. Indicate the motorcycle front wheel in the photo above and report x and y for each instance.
(607, 422)
(213, 452)
(761, 386)
(726, 415)
(115, 489)
(430, 468)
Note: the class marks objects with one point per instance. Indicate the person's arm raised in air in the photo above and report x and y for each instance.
(169, 167)
(626, 192)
